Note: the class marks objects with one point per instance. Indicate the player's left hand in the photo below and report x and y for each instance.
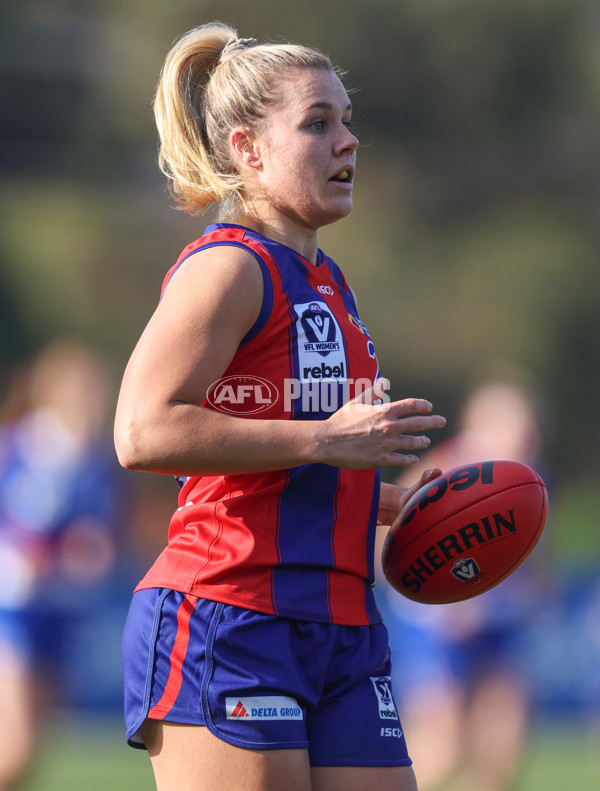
(393, 498)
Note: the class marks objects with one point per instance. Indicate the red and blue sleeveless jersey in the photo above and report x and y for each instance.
(295, 542)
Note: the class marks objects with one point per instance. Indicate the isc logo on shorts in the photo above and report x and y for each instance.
(267, 707)
(383, 689)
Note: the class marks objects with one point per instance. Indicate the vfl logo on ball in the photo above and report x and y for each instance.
(466, 570)
(242, 395)
(383, 690)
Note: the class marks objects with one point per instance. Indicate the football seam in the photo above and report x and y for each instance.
(466, 507)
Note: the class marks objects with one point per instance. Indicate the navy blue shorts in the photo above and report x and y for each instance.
(260, 681)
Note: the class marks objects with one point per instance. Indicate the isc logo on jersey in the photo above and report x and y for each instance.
(321, 353)
(383, 689)
(267, 707)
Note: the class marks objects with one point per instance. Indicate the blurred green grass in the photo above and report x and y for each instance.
(560, 758)
(91, 755)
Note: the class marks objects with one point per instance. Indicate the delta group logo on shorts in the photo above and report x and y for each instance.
(265, 707)
(383, 689)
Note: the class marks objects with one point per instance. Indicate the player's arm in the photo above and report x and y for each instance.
(208, 307)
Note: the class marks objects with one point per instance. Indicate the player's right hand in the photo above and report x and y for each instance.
(370, 432)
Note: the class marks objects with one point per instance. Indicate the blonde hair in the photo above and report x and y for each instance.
(200, 98)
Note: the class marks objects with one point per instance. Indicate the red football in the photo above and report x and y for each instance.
(465, 532)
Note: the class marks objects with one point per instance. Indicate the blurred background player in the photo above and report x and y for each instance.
(58, 501)
(466, 698)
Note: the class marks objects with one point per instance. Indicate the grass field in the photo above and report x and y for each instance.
(90, 755)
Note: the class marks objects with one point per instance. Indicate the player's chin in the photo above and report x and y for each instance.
(336, 210)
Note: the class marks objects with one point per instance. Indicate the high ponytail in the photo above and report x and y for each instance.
(185, 157)
(205, 92)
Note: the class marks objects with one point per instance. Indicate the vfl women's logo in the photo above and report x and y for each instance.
(320, 329)
(321, 353)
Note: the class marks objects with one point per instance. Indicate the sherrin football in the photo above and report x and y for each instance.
(465, 532)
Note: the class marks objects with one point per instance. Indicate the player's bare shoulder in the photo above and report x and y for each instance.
(221, 268)
(224, 280)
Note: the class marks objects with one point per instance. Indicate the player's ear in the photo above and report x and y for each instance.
(244, 146)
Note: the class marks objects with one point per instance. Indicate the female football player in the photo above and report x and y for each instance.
(254, 653)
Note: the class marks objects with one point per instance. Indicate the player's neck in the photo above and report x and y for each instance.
(284, 230)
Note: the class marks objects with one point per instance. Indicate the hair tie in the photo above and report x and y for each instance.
(234, 46)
